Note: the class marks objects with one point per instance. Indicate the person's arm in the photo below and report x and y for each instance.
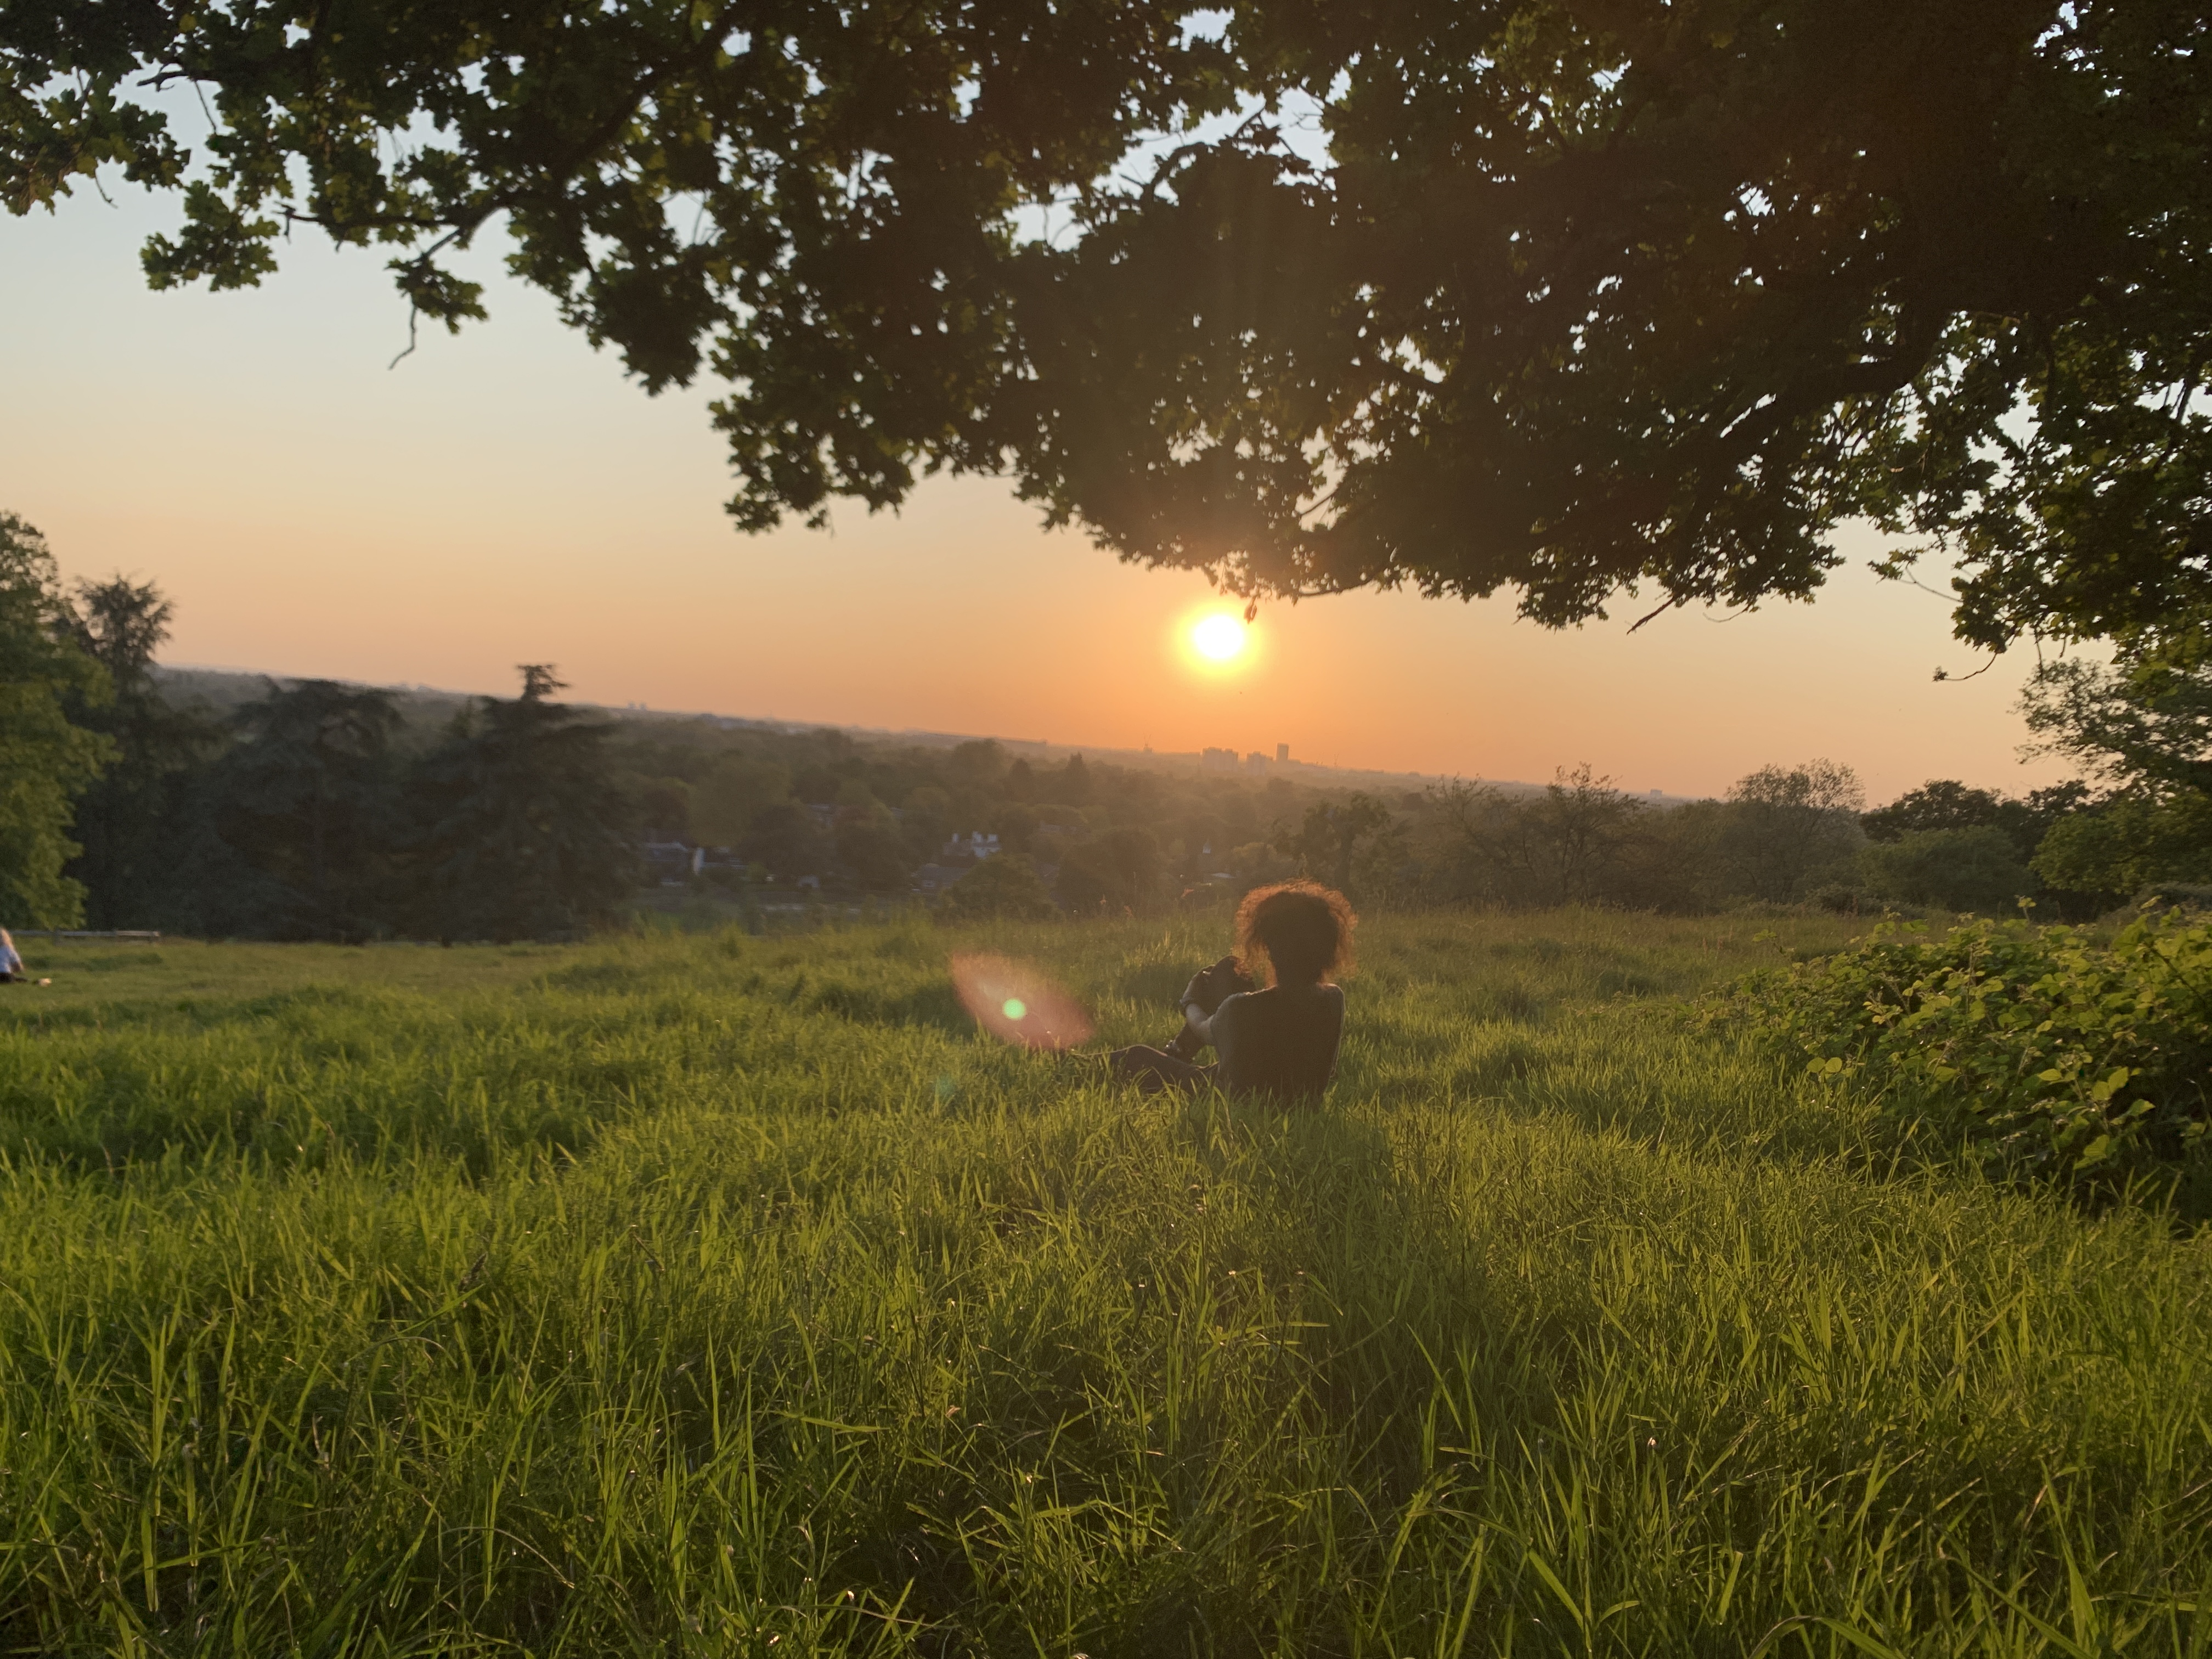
(1198, 1022)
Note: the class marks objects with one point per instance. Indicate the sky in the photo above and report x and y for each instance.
(506, 496)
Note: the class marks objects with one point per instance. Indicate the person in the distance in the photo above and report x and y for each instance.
(11, 964)
(1279, 1042)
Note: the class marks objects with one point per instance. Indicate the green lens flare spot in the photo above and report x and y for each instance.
(1014, 1008)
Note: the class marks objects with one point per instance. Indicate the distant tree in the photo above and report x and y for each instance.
(787, 842)
(870, 846)
(1259, 864)
(1464, 830)
(522, 835)
(1021, 782)
(1206, 844)
(925, 821)
(2111, 851)
(725, 801)
(663, 807)
(307, 798)
(1785, 823)
(120, 624)
(134, 820)
(1573, 838)
(1939, 804)
(980, 761)
(1016, 824)
(46, 761)
(1679, 864)
(1242, 812)
(1120, 869)
(1329, 842)
(818, 786)
(1007, 888)
(2047, 805)
(1947, 804)
(1975, 867)
(1581, 840)
(1073, 785)
(2142, 723)
(2141, 726)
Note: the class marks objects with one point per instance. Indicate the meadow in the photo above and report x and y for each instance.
(721, 1295)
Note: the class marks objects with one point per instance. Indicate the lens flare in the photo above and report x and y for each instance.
(1218, 637)
(1015, 1002)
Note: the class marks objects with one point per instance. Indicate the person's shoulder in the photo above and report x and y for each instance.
(1287, 1002)
(1245, 1007)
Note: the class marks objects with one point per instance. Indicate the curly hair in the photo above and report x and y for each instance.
(1301, 929)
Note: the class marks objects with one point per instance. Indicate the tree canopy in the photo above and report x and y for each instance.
(524, 838)
(46, 760)
(133, 821)
(2141, 727)
(1561, 297)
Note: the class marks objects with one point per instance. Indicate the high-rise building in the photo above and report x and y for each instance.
(1282, 752)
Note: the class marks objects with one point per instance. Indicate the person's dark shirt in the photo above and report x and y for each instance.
(1279, 1042)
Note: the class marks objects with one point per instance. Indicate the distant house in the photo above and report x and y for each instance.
(975, 845)
(934, 879)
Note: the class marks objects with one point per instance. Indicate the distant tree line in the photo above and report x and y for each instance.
(315, 809)
(311, 811)
(1079, 838)
(1782, 835)
(315, 812)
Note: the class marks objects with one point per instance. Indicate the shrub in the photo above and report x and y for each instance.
(2061, 1056)
(2177, 896)
(1839, 898)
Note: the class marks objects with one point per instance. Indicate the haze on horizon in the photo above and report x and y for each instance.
(505, 497)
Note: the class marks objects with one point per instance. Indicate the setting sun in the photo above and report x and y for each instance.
(1218, 638)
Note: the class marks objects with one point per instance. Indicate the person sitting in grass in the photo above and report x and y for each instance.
(1280, 1042)
(11, 964)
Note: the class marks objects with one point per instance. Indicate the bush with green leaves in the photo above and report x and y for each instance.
(2060, 1055)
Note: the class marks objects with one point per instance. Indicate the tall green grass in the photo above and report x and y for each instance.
(728, 1295)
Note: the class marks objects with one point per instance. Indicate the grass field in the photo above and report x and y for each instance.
(719, 1295)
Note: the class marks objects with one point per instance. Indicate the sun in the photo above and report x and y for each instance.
(1218, 638)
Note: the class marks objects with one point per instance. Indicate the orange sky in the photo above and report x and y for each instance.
(506, 497)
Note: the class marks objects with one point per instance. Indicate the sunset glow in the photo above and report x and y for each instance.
(519, 455)
(1219, 638)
